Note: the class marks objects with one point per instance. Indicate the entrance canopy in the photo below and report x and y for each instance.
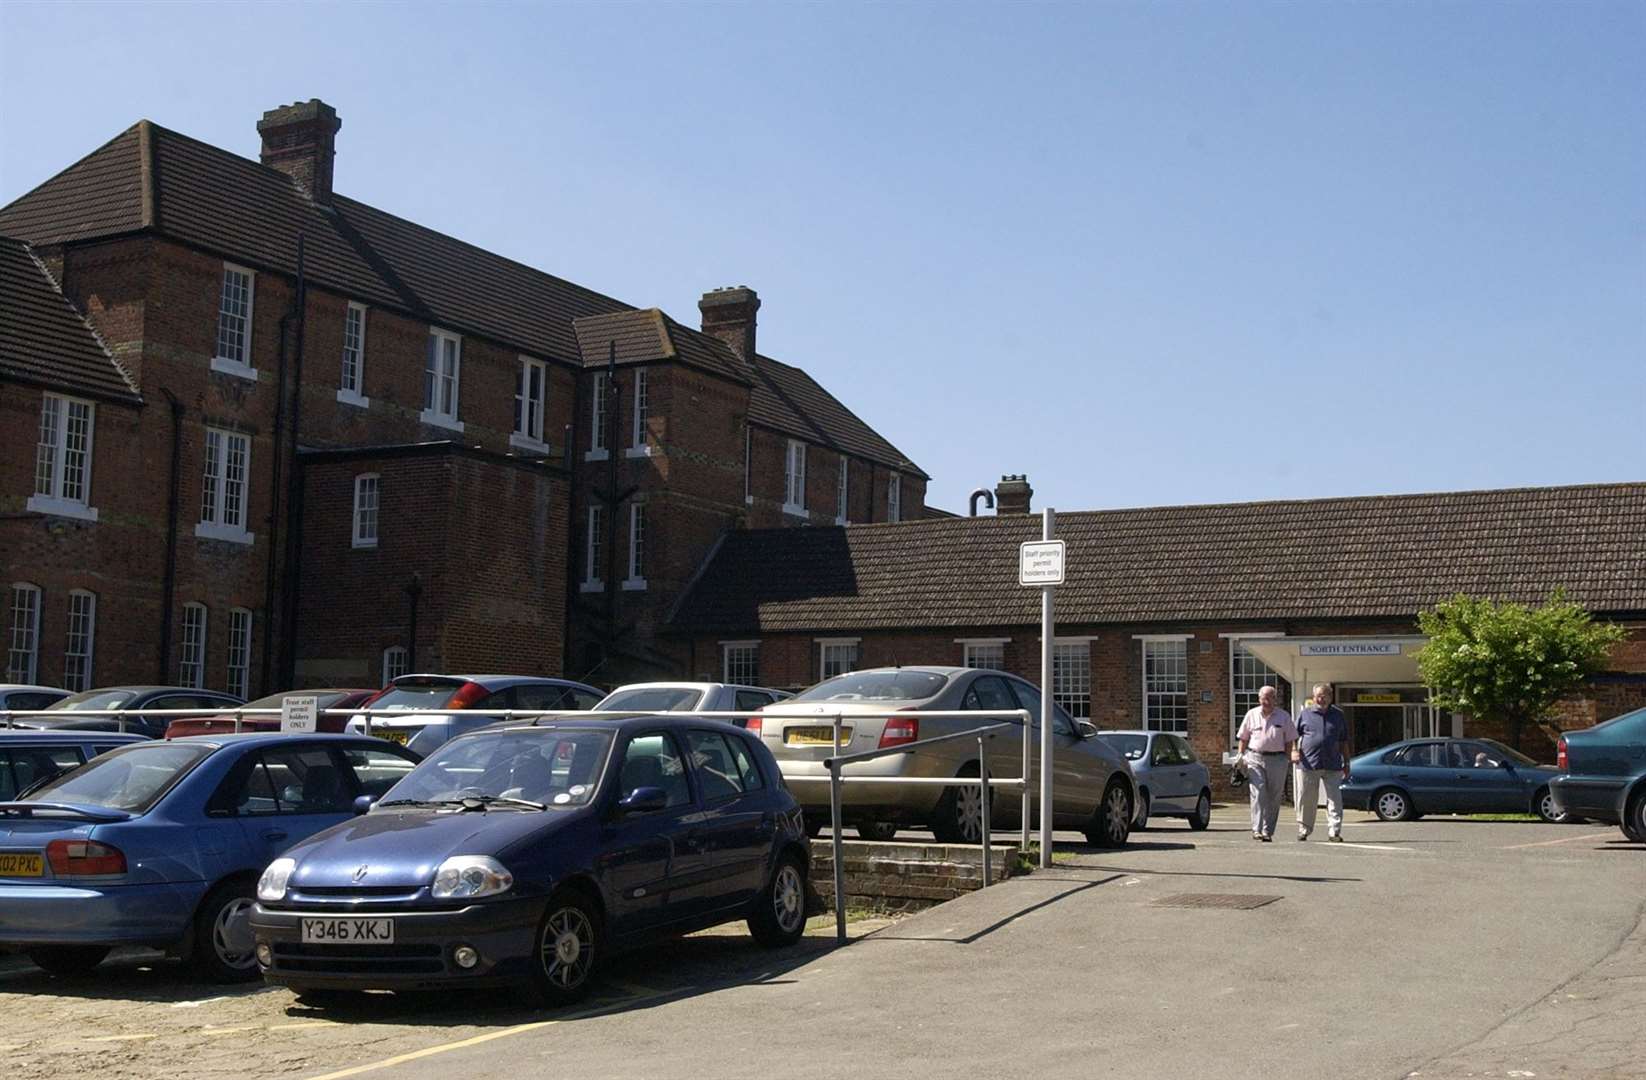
(1304, 661)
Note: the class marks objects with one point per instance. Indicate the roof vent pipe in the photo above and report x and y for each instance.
(983, 493)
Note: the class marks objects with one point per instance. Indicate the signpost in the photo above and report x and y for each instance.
(299, 714)
(1041, 563)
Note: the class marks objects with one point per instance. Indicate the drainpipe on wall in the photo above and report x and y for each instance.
(169, 578)
(294, 496)
(274, 507)
(414, 590)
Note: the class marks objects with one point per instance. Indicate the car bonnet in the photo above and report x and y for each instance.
(404, 847)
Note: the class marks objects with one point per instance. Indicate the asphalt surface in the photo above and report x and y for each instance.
(1436, 948)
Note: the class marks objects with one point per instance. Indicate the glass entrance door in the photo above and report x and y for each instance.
(1420, 721)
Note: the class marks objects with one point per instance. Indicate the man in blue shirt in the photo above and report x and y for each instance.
(1321, 756)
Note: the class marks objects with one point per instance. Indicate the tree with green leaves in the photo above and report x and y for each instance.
(1510, 662)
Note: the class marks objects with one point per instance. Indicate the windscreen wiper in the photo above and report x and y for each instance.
(480, 802)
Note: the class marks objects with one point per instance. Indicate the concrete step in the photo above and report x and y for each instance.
(904, 877)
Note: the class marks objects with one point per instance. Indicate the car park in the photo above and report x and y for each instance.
(690, 697)
(438, 707)
(226, 723)
(528, 853)
(160, 843)
(1405, 780)
(881, 707)
(1171, 780)
(24, 698)
(96, 707)
(1603, 773)
(28, 758)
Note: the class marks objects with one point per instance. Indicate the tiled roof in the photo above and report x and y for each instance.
(1329, 558)
(787, 399)
(649, 335)
(43, 340)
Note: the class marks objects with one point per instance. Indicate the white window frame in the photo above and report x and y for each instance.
(396, 662)
(364, 484)
(1149, 723)
(598, 435)
(239, 674)
(794, 478)
(23, 633)
(841, 485)
(749, 650)
(77, 662)
(434, 377)
(242, 366)
(637, 547)
(351, 392)
(528, 434)
(1073, 689)
(53, 450)
(638, 446)
(191, 655)
(825, 645)
(970, 648)
(894, 497)
(216, 523)
(1236, 691)
(593, 540)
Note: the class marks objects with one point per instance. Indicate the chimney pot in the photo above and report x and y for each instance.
(301, 141)
(1013, 494)
(729, 314)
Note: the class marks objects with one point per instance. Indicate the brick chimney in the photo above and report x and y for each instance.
(301, 140)
(1012, 495)
(728, 314)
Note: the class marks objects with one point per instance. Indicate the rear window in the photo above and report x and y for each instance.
(131, 779)
(95, 699)
(1132, 747)
(652, 699)
(421, 694)
(876, 686)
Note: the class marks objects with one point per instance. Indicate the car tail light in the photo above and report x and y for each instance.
(1560, 754)
(900, 730)
(467, 694)
(752, 725)
(84, 858)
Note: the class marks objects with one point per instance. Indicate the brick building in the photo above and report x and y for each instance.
(317, 444)
(1172, 618)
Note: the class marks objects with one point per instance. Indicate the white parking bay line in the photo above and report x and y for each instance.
(1359, 846)
(121, 1038)
(1562, 840)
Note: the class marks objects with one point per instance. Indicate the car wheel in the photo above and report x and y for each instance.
(779, 915)
(1543, 803)
(1111, 821)
(1202, 815)
(224, 949)
(1634, 818)
(1392, 804)
(959, 817)
(68, 959)
(1141, 821)
(878, 831)
(567, 944)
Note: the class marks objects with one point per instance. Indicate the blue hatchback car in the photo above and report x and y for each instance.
(527, 853)
(160, 843)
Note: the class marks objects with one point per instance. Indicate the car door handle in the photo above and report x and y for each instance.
(274, 834)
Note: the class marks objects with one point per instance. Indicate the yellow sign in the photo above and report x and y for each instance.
(1377, 699)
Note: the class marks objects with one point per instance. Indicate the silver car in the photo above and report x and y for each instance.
(1092, 789)
(1171, 780)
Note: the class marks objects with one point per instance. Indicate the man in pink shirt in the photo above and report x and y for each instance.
(1266, 736)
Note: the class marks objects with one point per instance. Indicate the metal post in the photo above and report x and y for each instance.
(122, 723)
(237, 721)
(1026, 774)
(983, 783)
(1048, 624)
(11, 721)
(839, 855)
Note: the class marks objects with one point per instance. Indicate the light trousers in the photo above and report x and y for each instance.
(1308, 794)
(1265, 782)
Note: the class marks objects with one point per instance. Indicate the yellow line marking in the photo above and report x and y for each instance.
(120, 1038)
(228, 1030)
(1562, 840)
(301, 1024)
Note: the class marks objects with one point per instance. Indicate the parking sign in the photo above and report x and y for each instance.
(298, 715)
(1040, 562)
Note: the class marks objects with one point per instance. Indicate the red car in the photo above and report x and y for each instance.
(224, 722)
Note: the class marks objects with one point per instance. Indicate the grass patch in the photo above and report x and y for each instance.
(1503, 817)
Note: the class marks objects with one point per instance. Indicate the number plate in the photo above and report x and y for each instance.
(815, 736)
(21, 865)
(348, 931)
(395, 735)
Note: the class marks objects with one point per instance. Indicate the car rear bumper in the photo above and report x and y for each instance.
(1593, 797)
(63, 914)
(503, 933)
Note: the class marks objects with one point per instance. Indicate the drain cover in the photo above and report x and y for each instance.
(1238, 901)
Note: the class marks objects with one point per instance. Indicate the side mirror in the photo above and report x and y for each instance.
(642, 800)
(363, 803)
(1086, 728)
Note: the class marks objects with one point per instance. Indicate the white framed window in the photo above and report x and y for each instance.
(191, 664)
(531, 388)
(637, 547)
(1247, 676)
(62, 458)
(234, 310)
(351, 383)
(223, 487)
(593, 544)
(77, 652)
(983, 652)
(23, 649)
(638, 446)
(840, 484)
(598, 420)
(239, 652)
(1072, 678)
(740, 662)
(395, 663)
(442, 375)
(748, 480)
(894, 498)
(794, 478)
(836, 656)
(1166, 684)
(367, 488)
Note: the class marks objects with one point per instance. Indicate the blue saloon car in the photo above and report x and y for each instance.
(1171, 780)
(528, 853)
(1604, 773)
(29, 757)
(1405, 780)
(160, 843)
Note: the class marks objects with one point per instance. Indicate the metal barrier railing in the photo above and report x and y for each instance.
(7, 716)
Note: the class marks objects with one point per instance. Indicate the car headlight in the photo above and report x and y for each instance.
(466, 876)
(272, 885)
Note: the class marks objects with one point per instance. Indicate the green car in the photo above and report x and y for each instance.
(1603, 773)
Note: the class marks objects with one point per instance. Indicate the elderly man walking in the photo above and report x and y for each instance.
(1266, 736)
(1322, 757)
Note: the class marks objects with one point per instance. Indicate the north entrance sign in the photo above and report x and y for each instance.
(1040, 562)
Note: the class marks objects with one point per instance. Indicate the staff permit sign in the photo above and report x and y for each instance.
(1040, 562)
(298, 715)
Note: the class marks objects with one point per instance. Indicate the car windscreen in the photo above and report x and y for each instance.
(651, 699)
(1510, 752)
(95, 699)
(1132, 747)
(130, 779)
(558, 768)
(422, 694)
(876, 686)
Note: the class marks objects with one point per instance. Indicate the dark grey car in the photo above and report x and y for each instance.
(120, 699)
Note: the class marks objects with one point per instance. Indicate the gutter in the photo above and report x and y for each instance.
(169, 577)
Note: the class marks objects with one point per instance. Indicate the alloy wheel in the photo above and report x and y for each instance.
(568, 948)
(788, 898)
(1546, 807)
(1116, 818)
(968, 806)
(231, 935)
(1391, 805)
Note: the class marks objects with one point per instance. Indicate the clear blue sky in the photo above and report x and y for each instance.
(1145, 253)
